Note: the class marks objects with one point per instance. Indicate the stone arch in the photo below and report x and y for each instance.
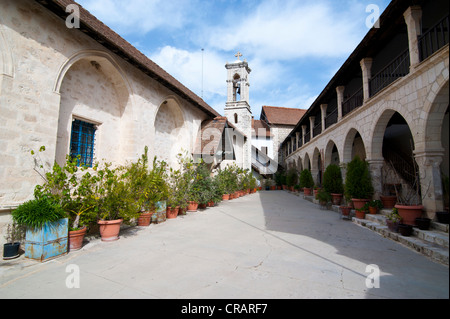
(306, 162)
(299, 164)
(94, 88)
(350, 149)
(378, 132)
(331, 154)
(170, 131)
(436, 111)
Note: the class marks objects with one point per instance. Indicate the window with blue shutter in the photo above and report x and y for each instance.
(82, 142)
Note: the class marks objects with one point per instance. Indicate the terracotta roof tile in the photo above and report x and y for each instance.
(276, 115)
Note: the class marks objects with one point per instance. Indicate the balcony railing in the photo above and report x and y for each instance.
(317, 129)
(331, 118)
(434, 39)
(353, 102)
(307, 137)
(398, 68)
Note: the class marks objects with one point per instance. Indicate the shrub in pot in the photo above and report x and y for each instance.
(358, 182)
(323, 197)
(14, 237)
(333, 183)
(306, 181)
(374, 206)
(393, 219)
(291, 178)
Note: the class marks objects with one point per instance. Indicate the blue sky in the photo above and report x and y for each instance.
(294, 47)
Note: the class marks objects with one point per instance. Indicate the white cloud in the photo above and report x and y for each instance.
(140, 16)
(288, 30)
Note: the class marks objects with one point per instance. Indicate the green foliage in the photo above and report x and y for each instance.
(332, 180)
(280, 178)
(375, 203)
(306, 179)
(394, 216)
(292, 177)
(358, 183)
(323, 196)
(36, 213)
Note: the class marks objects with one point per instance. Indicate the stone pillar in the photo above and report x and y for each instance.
(429, 163)
(340, 99)
(292, 143)
(366, 67)
(297, 138)
(323, 109)
(413, 17)
(311, 124)
(304, 133)
(376, 173)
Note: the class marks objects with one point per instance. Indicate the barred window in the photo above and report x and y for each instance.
(82, 142)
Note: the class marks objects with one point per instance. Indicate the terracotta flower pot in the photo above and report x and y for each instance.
(172, 213)
(337, 199)
(307, 191)
(192, 206)
(211, 204)
(110, 229)
(346, 210)
(76, 238)
(202, 206)
(145, 219)
(360, 214)
(388, 201)
(373, 210)
(409, 213)
(226, 197)
(359, 203)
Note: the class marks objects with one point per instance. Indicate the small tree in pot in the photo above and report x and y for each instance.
(333, 183)
(358, 182)
(306, 181)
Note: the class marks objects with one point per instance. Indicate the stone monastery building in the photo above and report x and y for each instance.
(87, 91)
(388, 104)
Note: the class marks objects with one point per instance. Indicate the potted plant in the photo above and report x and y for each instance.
(405, 229)
(374, 206)
(345, 210)
(14, 236)
(46, 225)
(333, 183)
(324, 197)
(358, 183)
(409, 201)
(306, 181)
(393, 219)
(361, 213)
(291, 178)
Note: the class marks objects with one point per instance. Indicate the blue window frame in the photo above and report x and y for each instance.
(82, 142)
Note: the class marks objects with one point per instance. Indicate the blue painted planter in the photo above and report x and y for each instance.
(48, 242)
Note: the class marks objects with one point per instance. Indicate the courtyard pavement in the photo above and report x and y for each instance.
(268, 245)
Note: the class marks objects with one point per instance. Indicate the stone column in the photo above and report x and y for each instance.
(304, 133)
(366, 67)
(311, 124)
(376, 173)
(429, 163)
(413, 17)
(340, 99)
(323, 109)
(297, 138)
(292, 144)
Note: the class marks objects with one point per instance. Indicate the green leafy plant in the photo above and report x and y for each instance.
(292, 177)
(375, 203)
(394, 216)
(306, 180)
(332, 180)
(358, 183)
(34, 214)
(324, 197)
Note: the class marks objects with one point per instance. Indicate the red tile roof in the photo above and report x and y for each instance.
(276, 115)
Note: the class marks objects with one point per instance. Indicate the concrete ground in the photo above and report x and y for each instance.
(269, 245)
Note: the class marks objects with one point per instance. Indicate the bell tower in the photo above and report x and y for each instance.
(237, 108)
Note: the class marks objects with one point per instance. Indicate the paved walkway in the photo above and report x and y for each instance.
(268, 245)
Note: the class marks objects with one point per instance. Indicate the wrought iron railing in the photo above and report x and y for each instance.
(317, 130)
(308, 137)
(398, 68)
(331, 118)
(353, 102)
(434, 39)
